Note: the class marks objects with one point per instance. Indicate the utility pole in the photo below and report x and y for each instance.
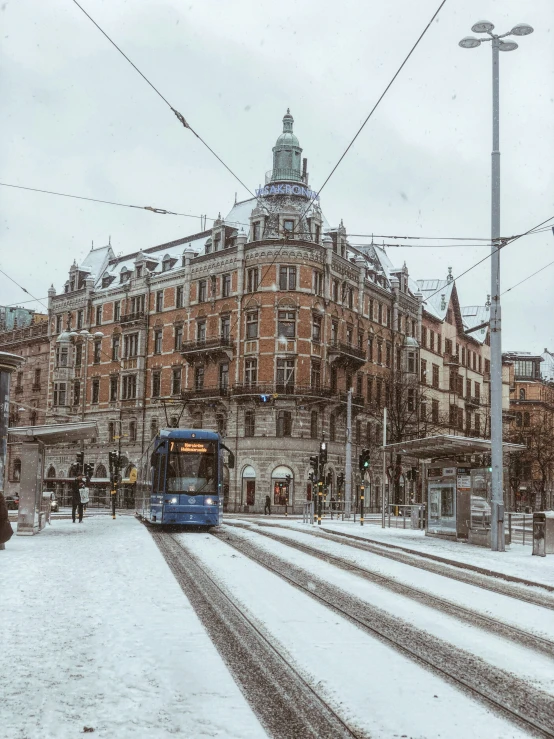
(383, 495)
(348, 462)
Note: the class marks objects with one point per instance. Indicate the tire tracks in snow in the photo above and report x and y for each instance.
(510, 696)
(287, 706)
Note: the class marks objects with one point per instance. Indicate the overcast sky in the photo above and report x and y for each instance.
(77, 118)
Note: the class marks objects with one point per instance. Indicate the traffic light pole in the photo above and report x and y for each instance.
(348, 457)
(362, 489)
(383, 494)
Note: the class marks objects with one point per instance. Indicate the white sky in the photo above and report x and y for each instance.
(77, 118)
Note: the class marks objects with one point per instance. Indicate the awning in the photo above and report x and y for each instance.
(56, 433)
(437, 447)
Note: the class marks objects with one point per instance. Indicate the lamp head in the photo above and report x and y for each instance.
(469, 42)
(507, 45)
(522, 29)
(482, 27)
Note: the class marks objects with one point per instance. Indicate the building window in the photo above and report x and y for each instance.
(201, 331)
(117, 310)
(153, 427)
(224, 376)
(435, 410)
(97, 350)
(287, 278)
(137, 304)
(178, 338)
(80, 315)
(333, 379)
(468, 388)
(423, 337)
(388, 355)
(179, 296)
(98, 315)
(335, 291)
(217, 242)
(78, 355)
(288, 227)
(526, 419)
(76, 393)
(36, 380)
(225, 327)
(252, 325)
(316, 329)
(424, 372)
(284, 423)
(252, 280)
(314, 425)
(318, 282)
(225, 286)
(113, 388)
(349, 335)
(285, 373)
(111, 431)
(411, 399)
(436, 375)
(359, 385)
(522, 394)
(256, 231)
(315, 375)
(477, 392)
(202, 291)
(130, 345)
(61, 359)
(250, 372)
(199, 377)
(132, 430)
(477, 424)
(379, 313)
(286, 324)
(411, 362)
(370, 389)
(249, 423)
(116, 340)
(59, 323)
(157, 341)
(317, 232)
(350, 297)
(378, 392)
(95, 390)
(379, 352)
(156, 383)
(159, 301)
(176, 381)
(129, 389)
(332, 427)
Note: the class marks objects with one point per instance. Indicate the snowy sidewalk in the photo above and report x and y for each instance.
(97, 633)
(516, 561)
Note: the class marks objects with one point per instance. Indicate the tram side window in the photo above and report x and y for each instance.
(157, 466)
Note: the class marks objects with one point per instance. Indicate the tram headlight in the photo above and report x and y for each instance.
(174, 500)
(209, 501)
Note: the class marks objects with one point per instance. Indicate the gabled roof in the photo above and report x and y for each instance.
(96, 261)
(436, 296)
(476, 315)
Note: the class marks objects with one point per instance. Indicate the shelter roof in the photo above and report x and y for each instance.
(446, 445)
(57, 433)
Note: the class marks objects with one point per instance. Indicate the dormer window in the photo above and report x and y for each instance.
(288, 226)
(166, 263)
(138, 271)
(209, 246)
(256, 229)
(125, 275)
(217, 242)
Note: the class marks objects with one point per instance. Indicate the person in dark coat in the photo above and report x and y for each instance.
(6, 530)
(267, 508)
(76, 504)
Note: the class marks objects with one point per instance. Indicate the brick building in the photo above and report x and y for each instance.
(256, 327)
(531, 423)
(29, 387)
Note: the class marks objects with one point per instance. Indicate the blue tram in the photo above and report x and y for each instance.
(181, 478)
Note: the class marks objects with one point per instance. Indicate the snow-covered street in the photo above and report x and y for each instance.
(323, 637)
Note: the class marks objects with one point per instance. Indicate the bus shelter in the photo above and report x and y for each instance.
(456, 485)
(33, 507)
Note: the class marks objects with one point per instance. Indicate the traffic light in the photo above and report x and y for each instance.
(314, 464)
(287, 478)
(80, 461)
(323, 453)
(329, 479)
(114, 462)
(89, 469)
(363, 460)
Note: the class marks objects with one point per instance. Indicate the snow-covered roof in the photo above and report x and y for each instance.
(239, 217)
(433, 291)
(547, 366)
(96, 260)
(475, 315)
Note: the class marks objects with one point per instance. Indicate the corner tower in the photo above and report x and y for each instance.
(287, 154)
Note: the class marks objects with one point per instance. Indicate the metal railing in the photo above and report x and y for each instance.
(339, 347)
(520, 527)
(130, 317)
(200, 345)
(283, 173)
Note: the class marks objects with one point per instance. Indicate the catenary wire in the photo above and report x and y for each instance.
(22, 288)
(179, 116)
(504, 243)
(527, 278)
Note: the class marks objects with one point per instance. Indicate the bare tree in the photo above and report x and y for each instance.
(537, 461)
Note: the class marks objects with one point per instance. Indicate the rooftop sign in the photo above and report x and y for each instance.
(304, 192)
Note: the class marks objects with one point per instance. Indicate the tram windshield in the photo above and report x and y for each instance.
(192, 467)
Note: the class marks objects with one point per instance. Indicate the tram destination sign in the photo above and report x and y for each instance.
(197, 447)
(305, 192)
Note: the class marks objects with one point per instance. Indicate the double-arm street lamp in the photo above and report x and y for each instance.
(498, 44)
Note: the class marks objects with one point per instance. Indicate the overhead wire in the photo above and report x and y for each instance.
(527, 278)
(22, 288)
(179, 115)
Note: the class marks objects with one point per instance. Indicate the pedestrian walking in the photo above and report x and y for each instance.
(6, 530)
(84, 493)
(267, 509)
(76, 503)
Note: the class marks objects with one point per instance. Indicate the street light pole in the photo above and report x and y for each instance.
(497, 487)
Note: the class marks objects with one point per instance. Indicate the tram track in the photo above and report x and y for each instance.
(491, 625)
(286, 704)
(437, 566)
(507, 694)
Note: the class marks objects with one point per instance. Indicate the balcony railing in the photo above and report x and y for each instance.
(284, 173)
(220, 345)
(139, 315)
(473, 401)
(205, 393)
(346, 353)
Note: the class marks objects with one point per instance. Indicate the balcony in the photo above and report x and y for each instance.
(139, 317)
(18, 389)
(346, 355)
(283, 174)
(472, 402)
(35, 387)
(215, 349)
(274, 390)
(451, 360)
(205, 393)
(357, 400)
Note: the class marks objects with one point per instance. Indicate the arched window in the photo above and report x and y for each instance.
(526, 419)
(101, 471)
(282, 479)
(16, 470)
(51, 472)
(153, 427)
(249, 423)
(73, 470)
(332, 427)
(522, 394)
(518, 420)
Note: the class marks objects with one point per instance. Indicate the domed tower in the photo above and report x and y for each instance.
(287, 154)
